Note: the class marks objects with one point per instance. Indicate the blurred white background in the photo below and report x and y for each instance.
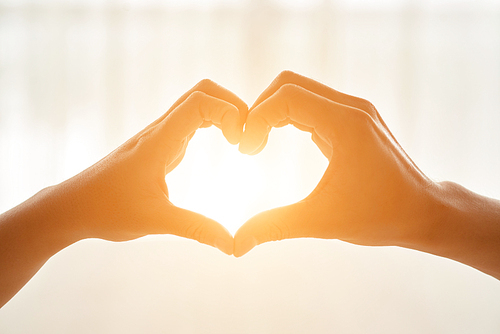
(78, 78)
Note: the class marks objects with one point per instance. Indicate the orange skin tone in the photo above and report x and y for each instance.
(371, 193)
(122, 197)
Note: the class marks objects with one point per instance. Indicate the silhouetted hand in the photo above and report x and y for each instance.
(371, 193)
(124, 196)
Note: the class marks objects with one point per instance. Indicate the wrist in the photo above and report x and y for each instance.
(47, 215)
(436, 221)
(463, 226)
(30, 234)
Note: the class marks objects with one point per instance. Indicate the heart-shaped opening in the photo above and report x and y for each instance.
(216, 180)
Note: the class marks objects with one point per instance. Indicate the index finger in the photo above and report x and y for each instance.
(198, 108)
(289, 77)
(211, 88)
(290, 104)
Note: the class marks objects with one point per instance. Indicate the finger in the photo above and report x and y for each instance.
(323, 145)
(290, 104)
(198, 108)
(182, 151)
(277, 224)
(209, 87)
(289, 77)
(192, 225)
(213, 89)
(261, 147)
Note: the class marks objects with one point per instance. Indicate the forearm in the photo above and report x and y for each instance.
(465, 227)
(30, 234)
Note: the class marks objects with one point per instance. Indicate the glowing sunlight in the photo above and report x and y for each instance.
(79, 78)
(216, 180)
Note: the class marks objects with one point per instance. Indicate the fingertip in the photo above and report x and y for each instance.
(243, 110)
(255, 136)
(232, 126)
(246, 147)
(243, 247)
(249, 147)
(195, 226)
(221, 238)
(233, 136)
(250, 144)
(224, 245)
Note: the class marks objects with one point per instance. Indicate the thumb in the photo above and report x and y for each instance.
(286, 222)
(192, 225)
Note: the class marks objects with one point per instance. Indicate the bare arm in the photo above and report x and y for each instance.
(29, 235)
(372, 193)
(464, 227)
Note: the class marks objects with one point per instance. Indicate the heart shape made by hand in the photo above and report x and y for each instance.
(216, 180)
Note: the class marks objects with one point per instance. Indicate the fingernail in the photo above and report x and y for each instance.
(245, 246)
(224, 246)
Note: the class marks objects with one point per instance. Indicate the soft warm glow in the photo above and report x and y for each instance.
(215, 179)
(78, 78)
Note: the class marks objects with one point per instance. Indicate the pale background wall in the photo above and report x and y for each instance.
(78, 78)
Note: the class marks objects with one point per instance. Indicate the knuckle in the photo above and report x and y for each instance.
(196, 232)
(140, 141)
(361, 118)
(288, 90)
(286, 76)
(195, 97)
(278, 232)
(260, 121)
(275, 232)
(205, 84)
(367, 106)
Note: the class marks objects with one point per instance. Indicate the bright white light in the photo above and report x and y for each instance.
(214, 179)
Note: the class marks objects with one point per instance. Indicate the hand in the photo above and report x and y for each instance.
(371, 193)
(124, 196)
